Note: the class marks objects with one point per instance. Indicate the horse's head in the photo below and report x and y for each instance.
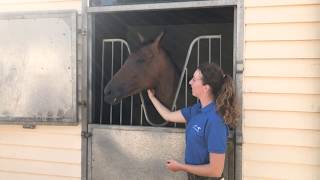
(140, 71)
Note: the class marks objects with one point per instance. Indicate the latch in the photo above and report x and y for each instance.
(82, 103)
(239, 67)
(82, 32)
(239, 139)
(86, 134)
(29, 126)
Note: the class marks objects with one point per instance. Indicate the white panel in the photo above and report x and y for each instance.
(17, 176)
(280, 119)
(31, 60)
(290, 137)
(306, 13)
(40, 154)
(61, 130)
(280, 171)
(41, 140)
(39, 167)
(255, 3)
(283, 68)
(282, 154)
(282, 49)
(40, 5)
(282, 31)
(282, 102)
(282, 85)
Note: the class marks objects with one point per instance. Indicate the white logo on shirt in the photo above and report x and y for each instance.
(196, 128)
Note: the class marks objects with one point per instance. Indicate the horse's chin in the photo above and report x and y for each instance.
(112, 100)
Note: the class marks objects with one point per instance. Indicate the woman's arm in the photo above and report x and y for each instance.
(208, 170)
(175, 116)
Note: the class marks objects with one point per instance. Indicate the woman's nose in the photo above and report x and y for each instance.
(190, 82)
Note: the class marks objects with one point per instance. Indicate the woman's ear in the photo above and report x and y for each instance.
(207, 88)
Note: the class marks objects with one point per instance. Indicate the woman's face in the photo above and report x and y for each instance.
(197, 84)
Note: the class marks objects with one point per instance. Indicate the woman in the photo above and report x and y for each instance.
(206, 122)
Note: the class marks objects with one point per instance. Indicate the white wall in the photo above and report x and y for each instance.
(282, 90)
(47, 152)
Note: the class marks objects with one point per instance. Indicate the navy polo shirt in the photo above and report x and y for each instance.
(205, 132)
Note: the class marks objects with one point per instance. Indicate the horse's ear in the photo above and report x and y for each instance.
(156, 42)
(159, 37)
(141, 38)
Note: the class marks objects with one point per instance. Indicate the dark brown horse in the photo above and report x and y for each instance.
(147, 68)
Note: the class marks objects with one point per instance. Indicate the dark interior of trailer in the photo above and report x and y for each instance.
(181, 26)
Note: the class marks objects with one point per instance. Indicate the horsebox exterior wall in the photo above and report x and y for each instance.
(281, 90)
(281, 124)
(46, 152)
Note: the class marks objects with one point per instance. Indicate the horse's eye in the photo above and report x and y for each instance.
(140, 61)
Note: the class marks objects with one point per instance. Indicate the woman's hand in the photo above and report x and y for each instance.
(174, 166)
(150, 93)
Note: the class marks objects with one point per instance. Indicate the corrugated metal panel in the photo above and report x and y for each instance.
(282, 90)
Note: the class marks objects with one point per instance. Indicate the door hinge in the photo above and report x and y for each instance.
(239, 67)
(85, 134)
(82, 32)
(239, 139)
(82, 103)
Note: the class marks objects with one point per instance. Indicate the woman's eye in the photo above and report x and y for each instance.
(140, 61)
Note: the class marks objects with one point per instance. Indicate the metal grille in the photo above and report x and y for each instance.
(124, 47)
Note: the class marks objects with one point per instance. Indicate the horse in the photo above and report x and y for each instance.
(149, 67)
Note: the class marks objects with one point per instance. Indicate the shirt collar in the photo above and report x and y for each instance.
(208, 107)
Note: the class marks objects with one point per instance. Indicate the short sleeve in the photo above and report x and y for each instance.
(186, 113)
(216, 136)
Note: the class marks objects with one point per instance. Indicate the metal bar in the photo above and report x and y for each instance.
(159, 6)
(121, 52)
(198, 53)
(209, 50)
(186, 89)
(220, 52)
(112, 50)
(131, 114)
(187, 61)
(141, 113)
(113, 41)
(101, 89)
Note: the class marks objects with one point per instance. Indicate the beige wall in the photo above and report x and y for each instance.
(47, 152)
(36, 5)
(44, 153)
(281, 90)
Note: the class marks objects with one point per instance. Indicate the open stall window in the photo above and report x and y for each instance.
(38, 68)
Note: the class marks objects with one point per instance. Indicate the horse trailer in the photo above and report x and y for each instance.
(127, 140)
(195, 32)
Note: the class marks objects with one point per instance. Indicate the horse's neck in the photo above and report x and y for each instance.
(167, 86)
